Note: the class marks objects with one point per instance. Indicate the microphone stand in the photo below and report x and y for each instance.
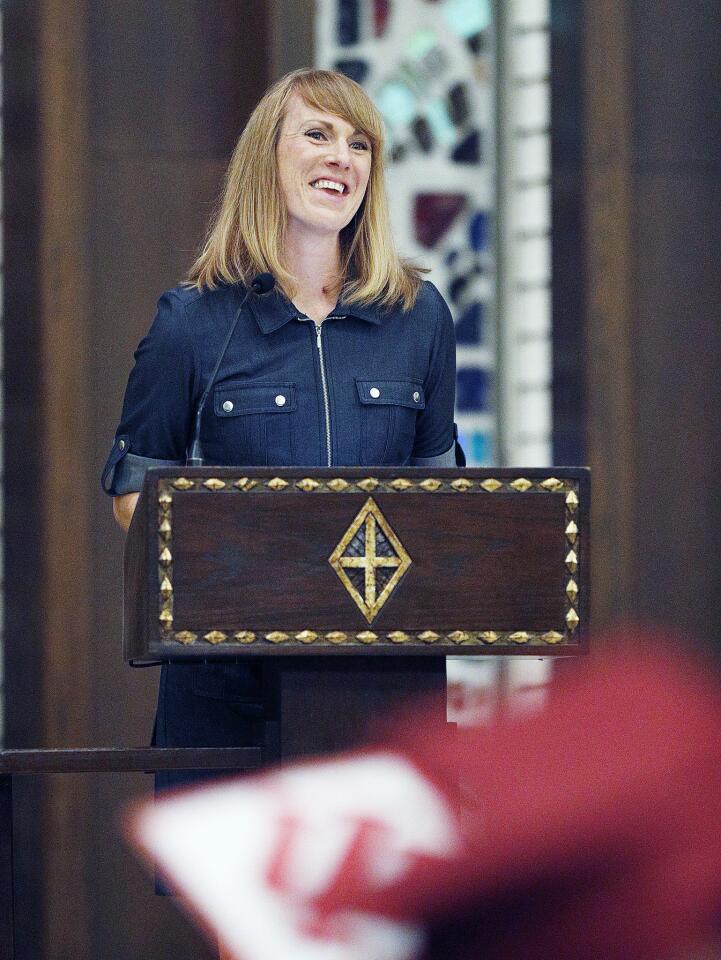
(261, 284)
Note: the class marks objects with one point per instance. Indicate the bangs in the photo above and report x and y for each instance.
(337, 94)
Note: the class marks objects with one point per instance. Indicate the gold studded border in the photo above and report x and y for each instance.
(313, 485)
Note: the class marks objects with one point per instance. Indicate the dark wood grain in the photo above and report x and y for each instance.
(257, 561)
(124, 760)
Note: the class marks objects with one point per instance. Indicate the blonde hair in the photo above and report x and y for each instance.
(246, 234)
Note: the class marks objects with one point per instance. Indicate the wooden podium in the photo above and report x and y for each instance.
(356, 584)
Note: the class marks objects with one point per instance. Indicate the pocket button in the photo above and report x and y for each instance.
(228, 406)
(375, 392)
(416, 396)
(280, 400)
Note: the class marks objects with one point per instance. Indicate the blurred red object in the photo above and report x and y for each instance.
(589, 829)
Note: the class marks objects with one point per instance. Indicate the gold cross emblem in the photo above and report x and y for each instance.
(370, 559)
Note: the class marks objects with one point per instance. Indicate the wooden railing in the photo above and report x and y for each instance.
(113, 760)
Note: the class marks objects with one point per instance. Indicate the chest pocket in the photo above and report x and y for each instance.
(389, 409)
(255, 423)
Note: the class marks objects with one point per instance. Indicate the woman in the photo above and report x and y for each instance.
(349, 360)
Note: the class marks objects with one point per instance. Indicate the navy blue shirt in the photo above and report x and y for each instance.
(369, 386)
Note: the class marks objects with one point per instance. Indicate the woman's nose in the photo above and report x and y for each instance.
(340, 154)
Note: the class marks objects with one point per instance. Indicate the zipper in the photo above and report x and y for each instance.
(324, 382)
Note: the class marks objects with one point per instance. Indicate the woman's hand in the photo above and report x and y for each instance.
(124, 508)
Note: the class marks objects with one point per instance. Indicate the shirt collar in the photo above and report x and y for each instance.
(273, 310)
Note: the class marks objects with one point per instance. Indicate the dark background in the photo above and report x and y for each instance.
(118, 121)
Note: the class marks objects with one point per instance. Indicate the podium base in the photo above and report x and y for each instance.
(328, 704)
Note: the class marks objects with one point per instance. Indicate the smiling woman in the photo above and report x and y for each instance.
(315, 124)
(348, 360)
(324, 165)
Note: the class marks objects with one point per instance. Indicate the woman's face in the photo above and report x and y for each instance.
(323, 168)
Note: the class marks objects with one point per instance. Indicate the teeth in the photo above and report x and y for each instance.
(328, 185)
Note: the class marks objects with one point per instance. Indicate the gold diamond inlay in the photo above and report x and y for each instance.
(368, 552)
(370, 483)
(522, 484)
(462, 484)
(431, 484)
(245, 484)
(307, 484)
(572, 532)
(491, 485)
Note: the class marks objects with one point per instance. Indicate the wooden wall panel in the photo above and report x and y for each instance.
(652, 361)
(66, 478)
(609, 370)
(119, 120)
(174, 84)
(677, 78)
(23, 456)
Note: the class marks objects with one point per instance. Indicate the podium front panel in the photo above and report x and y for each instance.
(226, 562)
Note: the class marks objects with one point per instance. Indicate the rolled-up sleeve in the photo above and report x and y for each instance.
(434, 426)
(158, 406)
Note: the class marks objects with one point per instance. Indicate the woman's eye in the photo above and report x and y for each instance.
(360, 145)
(316, 134)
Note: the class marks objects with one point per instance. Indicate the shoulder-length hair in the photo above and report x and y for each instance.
(246, 234)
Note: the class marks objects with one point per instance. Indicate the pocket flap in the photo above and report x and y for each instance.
(402, 393)
(237, 399)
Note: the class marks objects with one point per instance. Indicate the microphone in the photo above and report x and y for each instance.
(260, 285)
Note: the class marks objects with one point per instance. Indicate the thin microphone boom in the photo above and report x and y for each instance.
(261, 284)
